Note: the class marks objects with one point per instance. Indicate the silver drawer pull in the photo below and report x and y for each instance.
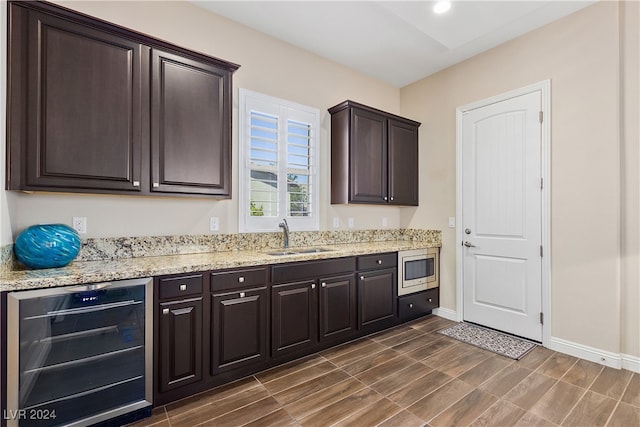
(379, 261)
(183, 287)
(324, 284)
(361, 277)
(165, 311)
(242, 294)
(156, 185)
(241, 279)
(313, 286)
(136, 183)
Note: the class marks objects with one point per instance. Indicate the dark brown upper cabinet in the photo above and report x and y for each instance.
(96, 108)
(190, 137)
(374, 156)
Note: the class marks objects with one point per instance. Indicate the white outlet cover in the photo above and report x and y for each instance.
(336, 222)
(350, 222)
(385, 222)
(214, 223)
(79, 223)
(452, 222)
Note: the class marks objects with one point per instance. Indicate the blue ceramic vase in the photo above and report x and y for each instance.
(47, 246)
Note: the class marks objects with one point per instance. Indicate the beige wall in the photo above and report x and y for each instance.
(268, 66)
(630, 89)
(580, 55)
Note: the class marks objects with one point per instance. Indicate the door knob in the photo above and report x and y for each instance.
(467, 231)
(469, 245)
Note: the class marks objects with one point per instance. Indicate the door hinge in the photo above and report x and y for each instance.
(541, 251)
(540, 116)
(541, 318)
(541, 183)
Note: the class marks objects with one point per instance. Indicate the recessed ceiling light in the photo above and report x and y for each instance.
(442, 6)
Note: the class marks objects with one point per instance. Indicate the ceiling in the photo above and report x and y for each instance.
(395, 41)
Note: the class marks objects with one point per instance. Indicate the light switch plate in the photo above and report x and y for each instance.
(452, 222)
(214, 223)
(336, 222)
(350, 222)
(385, 222)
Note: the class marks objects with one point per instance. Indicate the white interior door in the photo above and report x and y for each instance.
(501, 215)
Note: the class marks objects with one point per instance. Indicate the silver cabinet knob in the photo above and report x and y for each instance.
(324, 284)
(410, 305)
(385, 197)
(361, 277)
(469, 245)
(136, 183)
(156, 185)
(242, 294)
(379, 262)
(313, 286)
(430, 300)
(165, 311)
(183, 287)
(392, 198)
(241, 279)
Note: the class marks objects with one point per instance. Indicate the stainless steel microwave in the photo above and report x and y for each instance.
(418, 270)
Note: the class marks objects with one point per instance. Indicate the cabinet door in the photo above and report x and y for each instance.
(294, 314)
(76, 108)
(377, 294)
(337, 307)
(403, 163)
(238, 329)
(180, 343)
(368, 157)
(191, 122)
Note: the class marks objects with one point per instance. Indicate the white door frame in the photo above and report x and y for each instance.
(544, 87)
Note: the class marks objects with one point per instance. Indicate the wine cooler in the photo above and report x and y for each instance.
(79, 355)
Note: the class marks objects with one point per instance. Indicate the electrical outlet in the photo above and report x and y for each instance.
(79, 223)
(452, 222)
(384, 221)
(214, 223)
(336, 222)
(350, 222)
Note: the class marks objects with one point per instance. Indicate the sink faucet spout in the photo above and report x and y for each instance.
(285, 229)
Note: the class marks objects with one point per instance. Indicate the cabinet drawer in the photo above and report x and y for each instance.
(311, 269)
(369, 262)
(418, 304)
(238, 278)
(173, 287)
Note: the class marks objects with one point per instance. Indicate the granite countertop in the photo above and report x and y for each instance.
(80, 272)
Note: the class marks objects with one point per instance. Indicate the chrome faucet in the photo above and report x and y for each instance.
(285, 228)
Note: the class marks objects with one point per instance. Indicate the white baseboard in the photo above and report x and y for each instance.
(603, 357)
(446, 313)
(630, 363)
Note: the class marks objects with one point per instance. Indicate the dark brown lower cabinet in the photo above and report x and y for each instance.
(238, 329)
(180, 335)
(338, 307)
(377, 291)
(294, 314)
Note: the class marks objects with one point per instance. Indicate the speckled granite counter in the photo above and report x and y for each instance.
(146, 266)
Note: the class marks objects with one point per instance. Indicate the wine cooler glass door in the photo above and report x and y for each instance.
(81, 354)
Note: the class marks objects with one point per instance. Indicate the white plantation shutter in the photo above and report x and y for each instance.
(278, 174)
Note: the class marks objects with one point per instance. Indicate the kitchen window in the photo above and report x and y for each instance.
(278, 155)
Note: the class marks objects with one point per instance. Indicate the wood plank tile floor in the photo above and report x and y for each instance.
(412, 376)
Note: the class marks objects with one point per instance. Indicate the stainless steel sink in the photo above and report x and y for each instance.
(282, 253)
(299, 251)
(313, 250)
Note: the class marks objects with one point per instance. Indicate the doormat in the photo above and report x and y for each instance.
(488, 339)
